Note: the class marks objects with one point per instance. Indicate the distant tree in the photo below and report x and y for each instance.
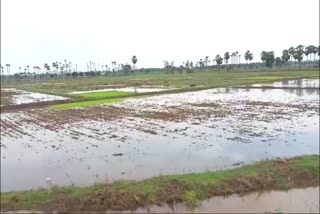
(314, 51)
(291, 52)
(309, 50)
(74, 74)
(263, 56)
(206, 61)
(201, 63)
(285, 56)
(248, 56)
(226, 57)
(126, 68)
(237, 56)
(269, 59)
(81, 74)
(134, 60)
(191, 64)
(298, 54)
(278, 61)
(92, 73)
(219, 60)
(47, 67)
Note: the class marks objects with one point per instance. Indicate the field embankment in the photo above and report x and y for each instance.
(280, 174)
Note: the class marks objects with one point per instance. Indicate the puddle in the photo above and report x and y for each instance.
(208, 130)
(292, 201)
(127, 89)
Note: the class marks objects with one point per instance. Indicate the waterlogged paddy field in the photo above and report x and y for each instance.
(12, 96)
(166, 134)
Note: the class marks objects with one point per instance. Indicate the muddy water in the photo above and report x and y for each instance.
(292, 201)
(254, 124)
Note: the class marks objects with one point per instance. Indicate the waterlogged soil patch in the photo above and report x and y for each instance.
(13, 99)
(6, 96)
(189, 188)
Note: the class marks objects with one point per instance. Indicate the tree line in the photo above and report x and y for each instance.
(268, 58)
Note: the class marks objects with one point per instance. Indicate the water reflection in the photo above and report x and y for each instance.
(299, 87)
(292, 201)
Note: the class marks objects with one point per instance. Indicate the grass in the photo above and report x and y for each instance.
(105, 95)
(94, 99)
(300, 171)
(83, 104)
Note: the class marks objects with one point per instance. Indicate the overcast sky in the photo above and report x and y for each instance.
(34, 32)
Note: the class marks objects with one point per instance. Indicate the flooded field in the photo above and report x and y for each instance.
(13, 96)
(258, 202)
(142, 137)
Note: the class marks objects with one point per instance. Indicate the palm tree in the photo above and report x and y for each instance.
(236, 57)
(134, 60)
(248, 56)
(54, 66)
(309, 50)
(291, 52)
(285, 56)
(206, 60)
(226, 57)
(201, 63)
(233, 58)
(315, 50)
(219, 60)
(298, 54)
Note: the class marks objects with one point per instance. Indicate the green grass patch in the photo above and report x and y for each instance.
(190, 189)
(83, 104)
(265, 78)
(106, 95)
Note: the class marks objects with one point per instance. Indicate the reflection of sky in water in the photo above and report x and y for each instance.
(32, 97)
(298, 83)
(211, 145)
(256, 202)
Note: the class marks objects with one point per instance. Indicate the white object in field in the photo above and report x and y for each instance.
(49, 183)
